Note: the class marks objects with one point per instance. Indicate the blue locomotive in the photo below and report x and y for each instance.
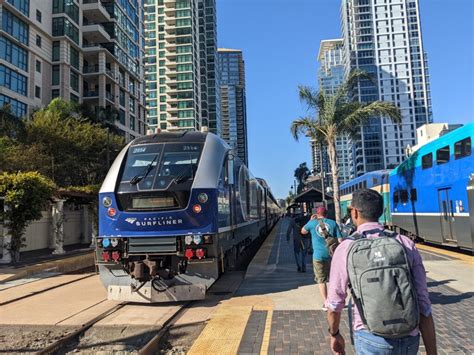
(175, 211)
(431, 194)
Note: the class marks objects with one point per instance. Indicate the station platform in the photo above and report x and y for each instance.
(54, 264)
(277, 310)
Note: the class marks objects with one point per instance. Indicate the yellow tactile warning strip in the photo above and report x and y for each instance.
(224, 332)
(463, 257)
(266, 334)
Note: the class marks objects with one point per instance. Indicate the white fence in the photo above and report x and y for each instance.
(77, 224)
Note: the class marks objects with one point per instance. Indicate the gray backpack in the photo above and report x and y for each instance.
(381, 284)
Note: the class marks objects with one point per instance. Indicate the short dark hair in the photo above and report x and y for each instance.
(369, 203)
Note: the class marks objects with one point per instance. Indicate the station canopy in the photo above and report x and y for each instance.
(311, 195)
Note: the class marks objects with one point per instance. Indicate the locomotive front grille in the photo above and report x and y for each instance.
(152, 245)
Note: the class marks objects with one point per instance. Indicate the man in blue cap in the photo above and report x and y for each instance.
(319, 226)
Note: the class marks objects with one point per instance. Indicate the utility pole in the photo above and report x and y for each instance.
(322, 173)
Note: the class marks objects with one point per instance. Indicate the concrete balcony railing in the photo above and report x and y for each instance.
(95, 11)
(90, 94)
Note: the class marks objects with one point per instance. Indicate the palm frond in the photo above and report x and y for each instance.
(374, 109)
(309, 96)
(302, 125)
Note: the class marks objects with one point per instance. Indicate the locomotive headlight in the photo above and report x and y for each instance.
(105, 242)
(197, 239)
(202, 197)
(188, 239)
(107, 201)
(197, 208)
(114, 242)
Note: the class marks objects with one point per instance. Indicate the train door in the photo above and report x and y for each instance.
(447, 215)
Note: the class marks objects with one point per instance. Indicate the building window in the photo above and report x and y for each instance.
(13, 80)
(56, 51)
(38, 66)
(13, 54)
(74, 81)
(56, 73)
(74, 57)
(64, 27)
(442, 155)
(15, 27)
(68, 7)
(38, 15)
(17, 108)
(38, 40)
(54, 93)
(38, 92)
(22, 5)
(122, 116)
(462, 148)
(427, 161)
(74, 98)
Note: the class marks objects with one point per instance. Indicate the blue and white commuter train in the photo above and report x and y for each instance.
(430, 195)
(432, 192)
(175, 211)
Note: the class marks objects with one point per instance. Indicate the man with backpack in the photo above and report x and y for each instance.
(387, 280)
(322, 229)
(300, 243)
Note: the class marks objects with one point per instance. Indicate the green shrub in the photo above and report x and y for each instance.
(25, 195)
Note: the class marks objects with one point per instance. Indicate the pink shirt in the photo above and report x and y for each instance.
(338, 279)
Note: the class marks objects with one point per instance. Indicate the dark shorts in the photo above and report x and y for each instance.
(321, 271)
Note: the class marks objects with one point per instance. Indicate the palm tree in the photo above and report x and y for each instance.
(337, 116)
(301, 174)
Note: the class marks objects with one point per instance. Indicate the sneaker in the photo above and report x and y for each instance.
(324, 308)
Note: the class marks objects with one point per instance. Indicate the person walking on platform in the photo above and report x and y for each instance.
(318, 226)
(300, 243)
(387, 280)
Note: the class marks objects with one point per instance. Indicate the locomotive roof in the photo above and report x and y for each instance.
(169, 137)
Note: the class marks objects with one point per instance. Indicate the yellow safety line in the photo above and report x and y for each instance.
(463, 257)
(266, 334)
(223, 333)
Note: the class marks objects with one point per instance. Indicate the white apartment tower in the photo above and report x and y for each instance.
(383, 37)
(330, 77)
(180, 64)
(89, 52)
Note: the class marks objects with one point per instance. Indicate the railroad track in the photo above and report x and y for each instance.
(69, 342)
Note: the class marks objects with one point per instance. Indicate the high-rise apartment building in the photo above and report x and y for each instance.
(88, 51)
(330, 77)
(233, 100)
(180, 64)
(383, 37)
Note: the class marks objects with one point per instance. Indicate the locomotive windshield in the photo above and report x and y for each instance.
(155, 176)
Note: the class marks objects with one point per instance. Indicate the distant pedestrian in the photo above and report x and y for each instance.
(300, 242)
(318, 226)
(388, 286)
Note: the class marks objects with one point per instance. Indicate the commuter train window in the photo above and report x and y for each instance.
(427, 161)
(462, 148)
(442, 155)
(413, 195)
(396, 197)
(403, 196)
(375, 181)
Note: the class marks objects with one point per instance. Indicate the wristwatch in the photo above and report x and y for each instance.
(333, 334)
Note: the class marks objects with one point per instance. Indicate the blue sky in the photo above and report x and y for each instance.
(280, 40)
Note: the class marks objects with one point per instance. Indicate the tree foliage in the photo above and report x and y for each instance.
(336, 115)
(301, 174)
(25, 195)
(61, 144)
